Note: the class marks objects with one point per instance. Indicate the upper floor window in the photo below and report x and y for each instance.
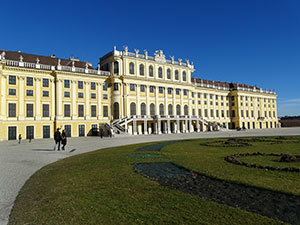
(105, 96)
(152, 89)
(169, 91)
(93, 86)
(161, 90)
(116, 67)
(104, 87)
(80, 84)
(168, 74)
(12, 79)
(132, 87)
(29, 81)
(93, 95)
(205, 95)
(67, 83)
(217, 97)
(12, 109)
(184, 92)
(211, 96)
(142, 88)
(12, 91)
(160, 72)
(29, 92)
(45, 93)
(45, 82)
(199, 95)
(177, 91)
(150, 71)
(67, 94)
(80, 94)
(116, 86)
(131, 68)
(184, 76)
(176, 75)
(142, 69)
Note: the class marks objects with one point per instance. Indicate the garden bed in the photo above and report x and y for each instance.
(273, 204)
(158, 146)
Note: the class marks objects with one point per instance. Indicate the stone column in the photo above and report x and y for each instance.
(21, 98)
(38, 98)
(145, 127)
(168, 125)
(3, 97)
(174, 102)
(138, 106)
(121, 100)
(134, 125)
(147, 101)
(99, 86)
(87, 100)
(202, 126)
(181, 102)
(53, 114)
(127, 101)
(74, 104)
(178, 126)
(156, 101)
(198, 125)
(190, 125)
(59, 99)
(186, 125)
(158, 131)
(166, 101)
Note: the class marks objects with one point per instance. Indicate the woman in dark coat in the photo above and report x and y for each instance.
(63, 139)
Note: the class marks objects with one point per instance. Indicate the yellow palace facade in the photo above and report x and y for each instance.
(128, 93)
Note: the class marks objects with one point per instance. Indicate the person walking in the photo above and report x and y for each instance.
(63, 139)
(57, 139)
(101, 133)
(20, 138)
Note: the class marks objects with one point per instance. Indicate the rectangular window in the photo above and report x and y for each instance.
(105, 96)
(142, 88)
(161, 90)
(67, 83)
(205, 113)
(81, 130)
(212, 113)
(199, 102)
(80, 110)
(12, 110)
(247, 113)
(93, 86)
(222, 113)
(68, 130)
(132, 87)
(192, 94)
(217, 113)
(151, 89)
(199, 113)
(29, 110)
(29, 92)
(193, 112)
(227, 113)
(29, 132)
(93, 95)
(116, 86)
(105, 111)
(12, 80)
(46, 131)
(246, 98)
(12, 133)
(233, 113)
(45, 82)
(45, 110)
(222, 98)
(184, 92)
(29, 81)
(104, 87)
(80, 94)
(177, 91)
(252, 113)
(242, 113)
(67, 110)
(67, 94)
(211, 96)
(199, 95)
(45, 93)
(205, 95)
(12, 91)
(216, 97)
(232, 98)
(241, 98)
(93, 110)
(80, 84)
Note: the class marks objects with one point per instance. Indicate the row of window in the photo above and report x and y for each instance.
(151, 71)
(12, 110)
(81, 95)
(12, 80)
(80, 85)
(246, 98)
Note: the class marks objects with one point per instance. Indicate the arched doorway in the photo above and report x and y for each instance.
(116, 111)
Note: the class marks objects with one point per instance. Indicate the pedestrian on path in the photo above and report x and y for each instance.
(101, 133)
(20, 138)
(63, 139)
(57, 139)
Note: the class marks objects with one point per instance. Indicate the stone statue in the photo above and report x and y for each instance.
(172, 59)
(59, 61)
(126, 48)
(37, 60)
(3, 55)
(86, 66)
(73, 63)
(21, 58)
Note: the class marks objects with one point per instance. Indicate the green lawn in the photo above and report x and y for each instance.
(101, 187)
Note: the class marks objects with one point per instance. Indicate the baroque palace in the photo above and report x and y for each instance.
(128, 92)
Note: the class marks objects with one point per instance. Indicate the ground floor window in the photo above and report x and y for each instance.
(253, 125)
(46, 131)
(29, 132)
(81, 130)
(68, 130)
(12, 133)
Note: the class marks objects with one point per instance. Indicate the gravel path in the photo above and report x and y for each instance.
(19, 162)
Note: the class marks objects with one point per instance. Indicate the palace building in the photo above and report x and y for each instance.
(128, 92)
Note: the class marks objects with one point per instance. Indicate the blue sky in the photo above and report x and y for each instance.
(246, 41)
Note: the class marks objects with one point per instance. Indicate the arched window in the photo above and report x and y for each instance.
(116, 67)
(170, 110)
(131, 68)
(150, 71)
(176, 75)
(161, 109)
(116, 110)
(152, 109)
(160, 72)
(186, 110)
(184, 76)
(178, 110)
(169, 74)
(142, 69)
(132, 109)
(143, 109)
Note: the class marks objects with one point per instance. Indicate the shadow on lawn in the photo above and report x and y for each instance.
(273, 204)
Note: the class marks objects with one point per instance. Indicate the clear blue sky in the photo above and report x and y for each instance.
(246, 41)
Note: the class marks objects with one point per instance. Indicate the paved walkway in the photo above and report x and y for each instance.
(19, 162)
